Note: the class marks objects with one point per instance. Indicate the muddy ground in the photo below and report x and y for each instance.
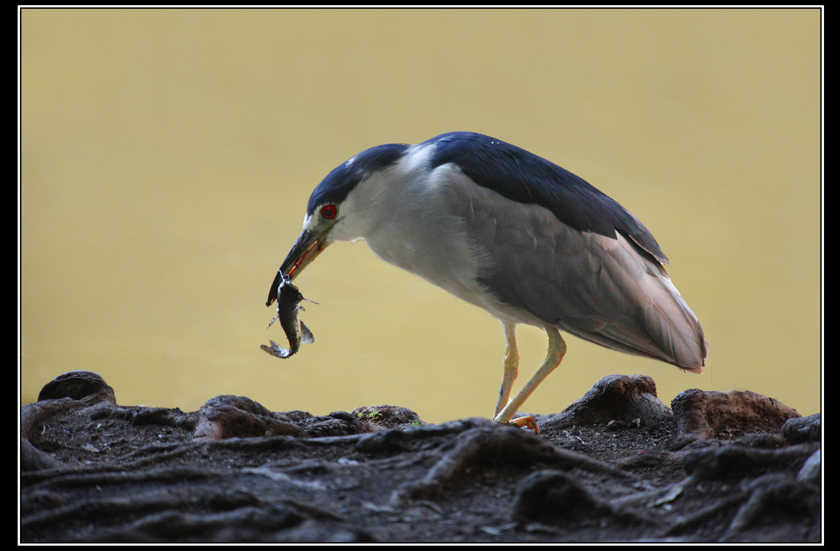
(618, 465)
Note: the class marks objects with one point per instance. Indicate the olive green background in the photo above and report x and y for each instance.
(167, 157)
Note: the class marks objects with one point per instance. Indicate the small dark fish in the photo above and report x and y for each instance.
(288, 306)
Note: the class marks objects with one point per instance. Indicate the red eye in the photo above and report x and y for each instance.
(328, 212)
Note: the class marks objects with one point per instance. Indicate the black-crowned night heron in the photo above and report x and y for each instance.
(514, 234)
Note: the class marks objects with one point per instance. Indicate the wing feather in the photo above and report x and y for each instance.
(604, 289)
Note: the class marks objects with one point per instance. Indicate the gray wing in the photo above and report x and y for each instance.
(604, 289)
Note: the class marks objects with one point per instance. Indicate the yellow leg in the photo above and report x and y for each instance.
(511, 366)
(556, 351)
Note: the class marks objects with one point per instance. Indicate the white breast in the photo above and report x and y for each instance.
(411, 220)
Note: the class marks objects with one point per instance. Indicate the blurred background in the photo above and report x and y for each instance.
(168, 155)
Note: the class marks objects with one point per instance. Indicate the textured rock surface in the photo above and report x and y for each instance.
(617, 465)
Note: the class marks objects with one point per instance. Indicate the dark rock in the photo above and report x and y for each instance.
(86, 386)
(33, 459)
(239, 417)
(337, 423)
(618, 400)
(555, 497)
(495, 447)
(388, 417)
(237, 472)
(803, 429)
(811, 471)
(33, 415)
(726, 415)
(773, 502)
(737, 462)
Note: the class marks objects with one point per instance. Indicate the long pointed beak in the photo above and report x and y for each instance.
(309, 244)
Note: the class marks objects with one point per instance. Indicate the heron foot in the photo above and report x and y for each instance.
(525, 422)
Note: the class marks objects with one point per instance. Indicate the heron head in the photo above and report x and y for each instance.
(334, 212)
